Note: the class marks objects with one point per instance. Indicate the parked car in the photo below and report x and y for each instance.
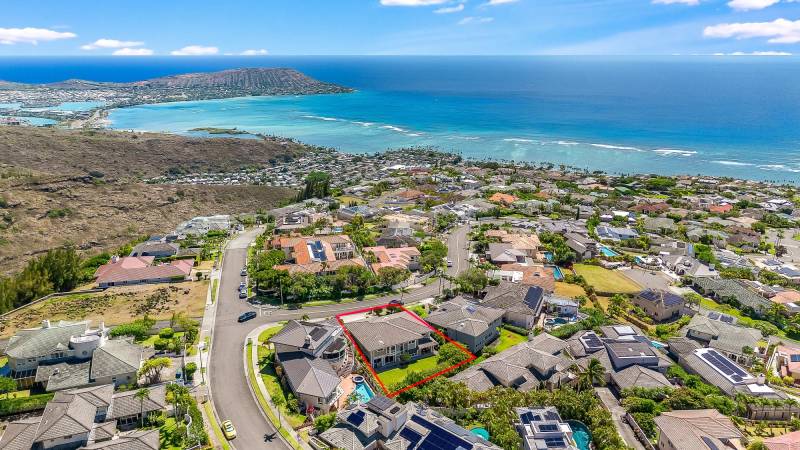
(242, 294)
(396, 302)
(228, 430)
(243, 272)
(247, 316)
(449, 262)
(242, 286)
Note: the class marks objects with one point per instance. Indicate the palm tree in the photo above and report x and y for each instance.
(142, 394)
(594, 374)
(178, 394)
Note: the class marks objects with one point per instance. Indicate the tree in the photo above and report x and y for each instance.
(359, 233)
(390, 276)
(472, 280)
(142, 395)
(432, 255)
(355, 278)
(449, 354)
(618, 305)
(152, 368)
(7, 385)
(757, 444)
(593, 375)
(324, 422)
(317, 185)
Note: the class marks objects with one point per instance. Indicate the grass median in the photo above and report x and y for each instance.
(212, 420)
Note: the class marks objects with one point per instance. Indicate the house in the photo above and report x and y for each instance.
(661, 225)
(530, 275)
(616, 233)
(522, 304)
(88, 418)
(717, 331)
(384, 423)
(348, 213)
(204, 224)
(503, 199)
(562, 307)
(722, 289)
(542, 429)
(722, 208)
(157, 249)
(700, 429)
(504, 253)
(141, 269)
(659, 305)
(311, 357)
(397, 234)
(388, 340)
(788, 441)
(70, 355)
(713, 367)
(651, 207)
(788, 362)
(319, 255)
(293, 222)
(400, 258)
(529, 365)
(584, 247)
(472, 324)
(528, 244)
(638, 376)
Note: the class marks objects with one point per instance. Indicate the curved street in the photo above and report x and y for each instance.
(229, 388)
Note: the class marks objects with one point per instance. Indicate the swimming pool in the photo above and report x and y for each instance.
(657, 344)
(557, 274)
(363, 391)
(608, 252)
(548, 256)
(480, 431)
(581, 434)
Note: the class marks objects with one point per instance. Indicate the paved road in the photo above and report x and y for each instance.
(229, 387)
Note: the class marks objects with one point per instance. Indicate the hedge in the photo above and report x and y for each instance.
(24, 404)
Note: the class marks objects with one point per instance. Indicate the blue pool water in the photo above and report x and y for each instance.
(581, 434)
(364, 392)
(657, 344)
(548, 256)
(608, 252)
(480, 431)
(557, 274)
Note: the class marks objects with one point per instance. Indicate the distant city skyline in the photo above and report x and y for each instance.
(401, 27)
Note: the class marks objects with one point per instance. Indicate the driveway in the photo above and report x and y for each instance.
(229, 387)
(617, 415)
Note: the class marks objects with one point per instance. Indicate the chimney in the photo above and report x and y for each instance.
(45, 323)
(308, 339)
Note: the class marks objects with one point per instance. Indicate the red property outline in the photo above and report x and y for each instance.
(471, 357)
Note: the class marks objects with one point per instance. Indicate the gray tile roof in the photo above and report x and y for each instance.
(515, 297)
(695, 364)
(65, 415)
(19, 435)
(65, 375)
(466, 317)
(125, 404)
(38, 342)
(686, 429)
(116, 357)
(640, 377)
(310, 376)
(728, 338)
(376, 332)
(132, 440)
(295, 332)
(104, 431)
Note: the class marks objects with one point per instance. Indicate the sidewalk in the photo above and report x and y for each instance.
(253, 337)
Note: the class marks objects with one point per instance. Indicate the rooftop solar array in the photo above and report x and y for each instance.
(547, 427)
(529, 418)
(721, 317)
(794, 358)
(555, 442)
(723, 365)
(317, 251)
(356, 418)
(590, 340)
(317, 333)
(533, 298)
(438, 438)
(380, 403)
(411, 436)
(552, 415)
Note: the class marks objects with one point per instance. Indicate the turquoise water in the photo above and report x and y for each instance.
(657, 344)
(581, 434)
(608, 252)
(557, 274)
(70, 106)
(548, 256)
(38, 121)
(719, 116)
(480, 431)
(364, 392)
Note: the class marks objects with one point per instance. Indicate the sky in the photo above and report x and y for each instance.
(399, 27)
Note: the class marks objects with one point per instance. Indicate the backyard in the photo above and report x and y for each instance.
(568, 290)
(508, 339)
(606, 281)
(394, 376)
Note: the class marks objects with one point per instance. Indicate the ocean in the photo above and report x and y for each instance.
(723, 116)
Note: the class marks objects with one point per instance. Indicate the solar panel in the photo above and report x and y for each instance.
(548, 427)
(526, 418)
(438, 438)
(411, 436)
(724, 365)
(794, 358)
(552, 415)
(317, 333)
(380, 403)
(713, 316)
(726, 319)
(554, 442)
(356, 418)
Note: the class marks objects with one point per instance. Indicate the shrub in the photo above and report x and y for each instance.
(166, 333)
(189, 371)
(161, 344)
(324, 422)
(24, 404)
(515, 329)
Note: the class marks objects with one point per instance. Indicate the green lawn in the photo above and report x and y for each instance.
(508, 339)
(731, 311)
(212, 420)
(214, 290)
(272, 382)
(268, 333)
(17, 394)
(168, 440)
(398, 374)
(263, 402)
(151, 340)
(604, 280)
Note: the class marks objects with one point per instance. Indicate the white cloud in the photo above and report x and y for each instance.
(768, 53)
(499, 2)
(11, 36)
(474, 20)
(412, 2)
(779, 31)
(132, 52)
(749, 5)
(195, 50)
(111, 43)
(671, 2)
(450, 9)
(258, 52)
